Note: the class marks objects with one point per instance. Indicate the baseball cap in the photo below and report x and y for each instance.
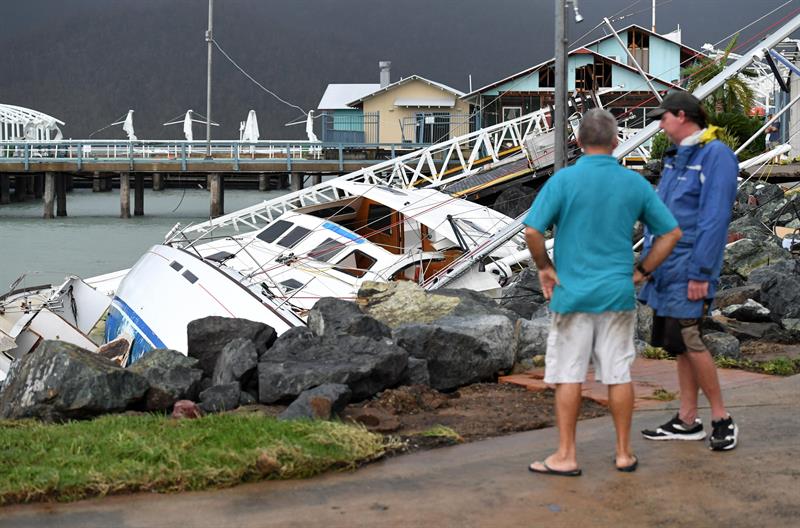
(674, 102)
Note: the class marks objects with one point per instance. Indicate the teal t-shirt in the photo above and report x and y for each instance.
(594, 205)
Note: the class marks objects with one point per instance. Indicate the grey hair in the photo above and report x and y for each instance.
(598, 128)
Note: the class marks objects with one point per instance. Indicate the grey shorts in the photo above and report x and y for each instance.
(606, 338)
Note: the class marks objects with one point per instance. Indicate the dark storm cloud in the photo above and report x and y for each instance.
(89, 61)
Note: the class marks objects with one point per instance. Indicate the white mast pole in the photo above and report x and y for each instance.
(654, 16)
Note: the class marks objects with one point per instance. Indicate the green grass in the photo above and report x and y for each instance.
(781, 366)
(443, 431)
(651, 352)
(122, 454)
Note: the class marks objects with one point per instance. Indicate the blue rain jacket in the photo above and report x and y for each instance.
(698, 185)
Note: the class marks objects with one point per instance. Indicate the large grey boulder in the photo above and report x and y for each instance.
(781, 294)
(208, 336)
(721, 344)
(523, 296)
(749, 227)
(749, 311)
(463, 335)
(304, 361)
(236, 362)
(404, 302)
(779, 269)
(60, 381)
(746, 255)
(220, 398)
(532, 337)
(746, 330)
(461, 350)
(171, 375)
(332, 316)
(320, 403)
(644, 322)
(738, 295)
(416, 372)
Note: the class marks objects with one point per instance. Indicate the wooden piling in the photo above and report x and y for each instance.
(38, 186)
(215, 187)
(61, 195)
(316, 179)
(49, 194)
(124, 195)
(138, 195)
(263, 182)
(297, 181)
(5, 189)
(69, 183)
(158, 181)
(97, 183)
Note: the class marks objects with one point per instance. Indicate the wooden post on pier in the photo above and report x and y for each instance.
(316, 179)
(215, 186)
(97, 183)
(49, 194)
(69, 183)
(138, 195)
(5, 189)
(263, 182)
(158, 181)
(38, 186)
(283, 181)
(297, 181)
(61, 195)
(124, 195)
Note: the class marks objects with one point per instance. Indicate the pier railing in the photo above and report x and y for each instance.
(183, 155)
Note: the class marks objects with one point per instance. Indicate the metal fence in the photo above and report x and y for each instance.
(434, 127)
(353, 127)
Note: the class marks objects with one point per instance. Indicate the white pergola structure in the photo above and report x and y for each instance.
(23, 124)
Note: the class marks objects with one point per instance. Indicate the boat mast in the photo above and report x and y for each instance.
(209, 40)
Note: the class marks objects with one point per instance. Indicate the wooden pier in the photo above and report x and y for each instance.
(49, 170)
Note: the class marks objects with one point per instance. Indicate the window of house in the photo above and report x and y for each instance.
(511, 112)
(547, 77)
(639, 46)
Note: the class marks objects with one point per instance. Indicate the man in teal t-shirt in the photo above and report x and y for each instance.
(593, 207)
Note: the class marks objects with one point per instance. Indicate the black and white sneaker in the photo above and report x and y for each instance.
(675, 429)
(724, 435)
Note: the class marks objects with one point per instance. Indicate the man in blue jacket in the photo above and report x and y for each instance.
(698, 185)
(594, 205)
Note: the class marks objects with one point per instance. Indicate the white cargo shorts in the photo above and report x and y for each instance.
(606, 338)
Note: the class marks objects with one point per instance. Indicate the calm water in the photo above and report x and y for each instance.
(93, 239)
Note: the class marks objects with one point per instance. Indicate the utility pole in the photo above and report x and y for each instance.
(560, 91)
(654, 16)
(209, 40)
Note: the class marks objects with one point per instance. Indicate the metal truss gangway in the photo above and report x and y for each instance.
(524, 142)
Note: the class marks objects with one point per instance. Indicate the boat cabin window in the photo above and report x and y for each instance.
(379, 218)
(294, 236)
(275, 229)
(333, 212)
(356, 264)
(327, 250)
(291, 285)
(220, 256)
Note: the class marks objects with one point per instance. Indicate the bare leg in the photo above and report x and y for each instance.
(688, 388)
(620, 400)
(705, 372)
(568, 404)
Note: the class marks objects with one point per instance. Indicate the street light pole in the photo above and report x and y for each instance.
(209, 40)
(560, 89)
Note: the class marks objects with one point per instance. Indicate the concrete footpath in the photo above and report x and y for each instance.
(487, 484)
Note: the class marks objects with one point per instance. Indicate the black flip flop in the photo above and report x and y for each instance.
(550, 471)
(629, 468)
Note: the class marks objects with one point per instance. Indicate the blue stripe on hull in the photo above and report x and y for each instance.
(122, 319)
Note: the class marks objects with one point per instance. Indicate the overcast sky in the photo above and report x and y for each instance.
(87, 62)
